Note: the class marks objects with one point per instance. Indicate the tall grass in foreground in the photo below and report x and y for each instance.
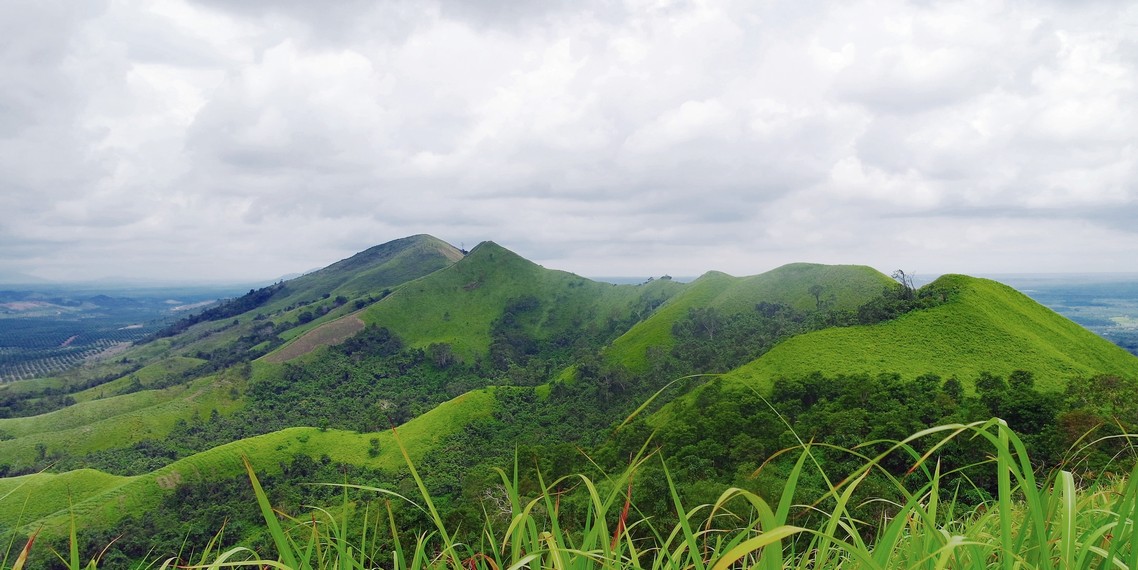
(1031, 523)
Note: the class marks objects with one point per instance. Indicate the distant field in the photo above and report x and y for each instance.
(41, 346)
(47, 330)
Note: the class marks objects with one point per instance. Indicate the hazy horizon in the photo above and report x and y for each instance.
(112, 282)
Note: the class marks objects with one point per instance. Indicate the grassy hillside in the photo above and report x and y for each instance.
(371, 271)
(102, 418)
(84, 413)
(156, 372)
(457, 305)
(986, 326)
(113, 422)
(101, 499)
(838, 287)
(32, 497)
(427, 292)
(290, 309)
(329, 333)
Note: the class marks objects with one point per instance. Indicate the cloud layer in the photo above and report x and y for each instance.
(244, 140)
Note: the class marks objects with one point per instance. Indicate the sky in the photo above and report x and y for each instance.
(236, 141)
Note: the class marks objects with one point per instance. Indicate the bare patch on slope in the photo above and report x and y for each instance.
(327, 334)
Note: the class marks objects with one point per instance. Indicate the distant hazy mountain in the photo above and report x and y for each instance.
(18, 278)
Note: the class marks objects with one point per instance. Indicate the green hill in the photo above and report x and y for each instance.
(291, 308)
(803, 286)
(459, 305)
(100, 418)
(376, 268)
(481, 304)
(986, 326)
(113, 422)
(100, 499)
(323, 300)
(29, 498)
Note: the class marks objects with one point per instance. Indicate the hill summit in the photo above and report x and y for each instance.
(984, 326)
(379, 267)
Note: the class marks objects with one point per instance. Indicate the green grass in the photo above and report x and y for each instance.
(101, 506)
(84, 413)
(369, 272)
(114, 422)
(1035, 521)
(850, 286)
(457, 305)
(147, 376)
(32, 497)
(987, 326)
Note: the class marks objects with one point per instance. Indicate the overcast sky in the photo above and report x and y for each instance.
(243, 140)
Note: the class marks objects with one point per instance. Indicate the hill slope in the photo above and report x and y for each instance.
(490, 297)
(460, 304)
(986, 326)
(113, 422)
(291, 308)
(99, 419)
(837, 287)
(376, 268)
(100, 499)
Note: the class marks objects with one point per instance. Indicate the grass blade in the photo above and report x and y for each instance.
(771, 537)
(284, 547)
(23, 557)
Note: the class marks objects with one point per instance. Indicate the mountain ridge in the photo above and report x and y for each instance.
(513, 321)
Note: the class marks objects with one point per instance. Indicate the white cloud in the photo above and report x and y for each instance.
(253, 139)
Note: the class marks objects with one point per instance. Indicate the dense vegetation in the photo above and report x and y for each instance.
(581, 521)
(717, 436)
(495, 365)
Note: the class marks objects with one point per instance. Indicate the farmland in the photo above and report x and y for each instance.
(45, 331)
